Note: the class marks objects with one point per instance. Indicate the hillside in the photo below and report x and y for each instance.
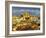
(25, 22)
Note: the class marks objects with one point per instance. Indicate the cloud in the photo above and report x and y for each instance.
(19, 11)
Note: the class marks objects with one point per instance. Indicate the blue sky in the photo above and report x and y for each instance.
(16, 11)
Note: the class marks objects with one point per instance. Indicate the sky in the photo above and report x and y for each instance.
(16, 11)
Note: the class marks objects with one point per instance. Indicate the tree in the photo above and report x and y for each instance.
(26, 14)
